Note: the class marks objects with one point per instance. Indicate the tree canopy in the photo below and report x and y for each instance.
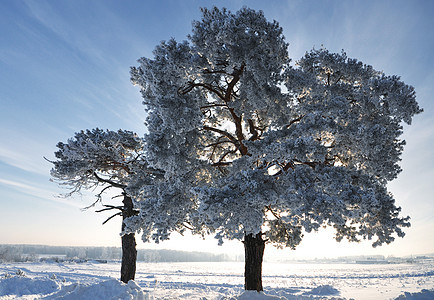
(251, 143)
(96, 158)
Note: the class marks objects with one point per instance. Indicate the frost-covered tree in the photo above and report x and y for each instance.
(258, 150)
(102, 160)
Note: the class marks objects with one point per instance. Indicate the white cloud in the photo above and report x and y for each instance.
(17, 184)
(38, 192)
(20, 160)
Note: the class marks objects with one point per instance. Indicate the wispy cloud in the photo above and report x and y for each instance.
(17, 184)
(20, 160)
(81, 31)
(38, 192)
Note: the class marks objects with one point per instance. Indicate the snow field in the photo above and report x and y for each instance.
(223, 281)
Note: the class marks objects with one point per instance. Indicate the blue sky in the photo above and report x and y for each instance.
(64, 66)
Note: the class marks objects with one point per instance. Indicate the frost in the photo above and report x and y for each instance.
(241, 154)
(103, 160)
(92, 156)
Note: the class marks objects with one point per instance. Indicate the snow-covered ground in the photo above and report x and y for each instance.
(93, 280)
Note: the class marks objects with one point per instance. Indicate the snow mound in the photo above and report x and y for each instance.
(20, 286)
(254, 295)
(323, 290)
(110, 289)
(423, 295)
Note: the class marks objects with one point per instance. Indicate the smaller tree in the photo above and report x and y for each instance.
(103, 160)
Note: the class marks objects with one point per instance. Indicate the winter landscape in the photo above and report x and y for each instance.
(64, 277)
(256, 124)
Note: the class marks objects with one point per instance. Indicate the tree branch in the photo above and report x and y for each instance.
(92, 205)
(192, 85)
(224, 155)
(216, 144)
(188, 227)
(311, 164)
(236, 77)
(294, 121)
(208, 71)
(219, 143)
(268, 207)
(252, 130)
(226, 97)
(110, 207)
(237, 119)
(50, 161)
(219, 164)
(213, 105)
(222, 132)
(99, 195)
(116, 214)
(112, 183)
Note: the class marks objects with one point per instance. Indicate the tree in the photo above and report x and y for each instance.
(259, 150)
(97, 159)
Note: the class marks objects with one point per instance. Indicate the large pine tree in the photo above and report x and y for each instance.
(259, 150)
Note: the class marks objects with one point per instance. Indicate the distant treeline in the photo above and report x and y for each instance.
(22, 253)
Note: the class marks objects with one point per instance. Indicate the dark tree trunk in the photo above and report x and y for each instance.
(129, 252)
(254, 251)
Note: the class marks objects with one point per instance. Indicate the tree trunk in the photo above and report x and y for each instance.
(129, 252)
(254, 252)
